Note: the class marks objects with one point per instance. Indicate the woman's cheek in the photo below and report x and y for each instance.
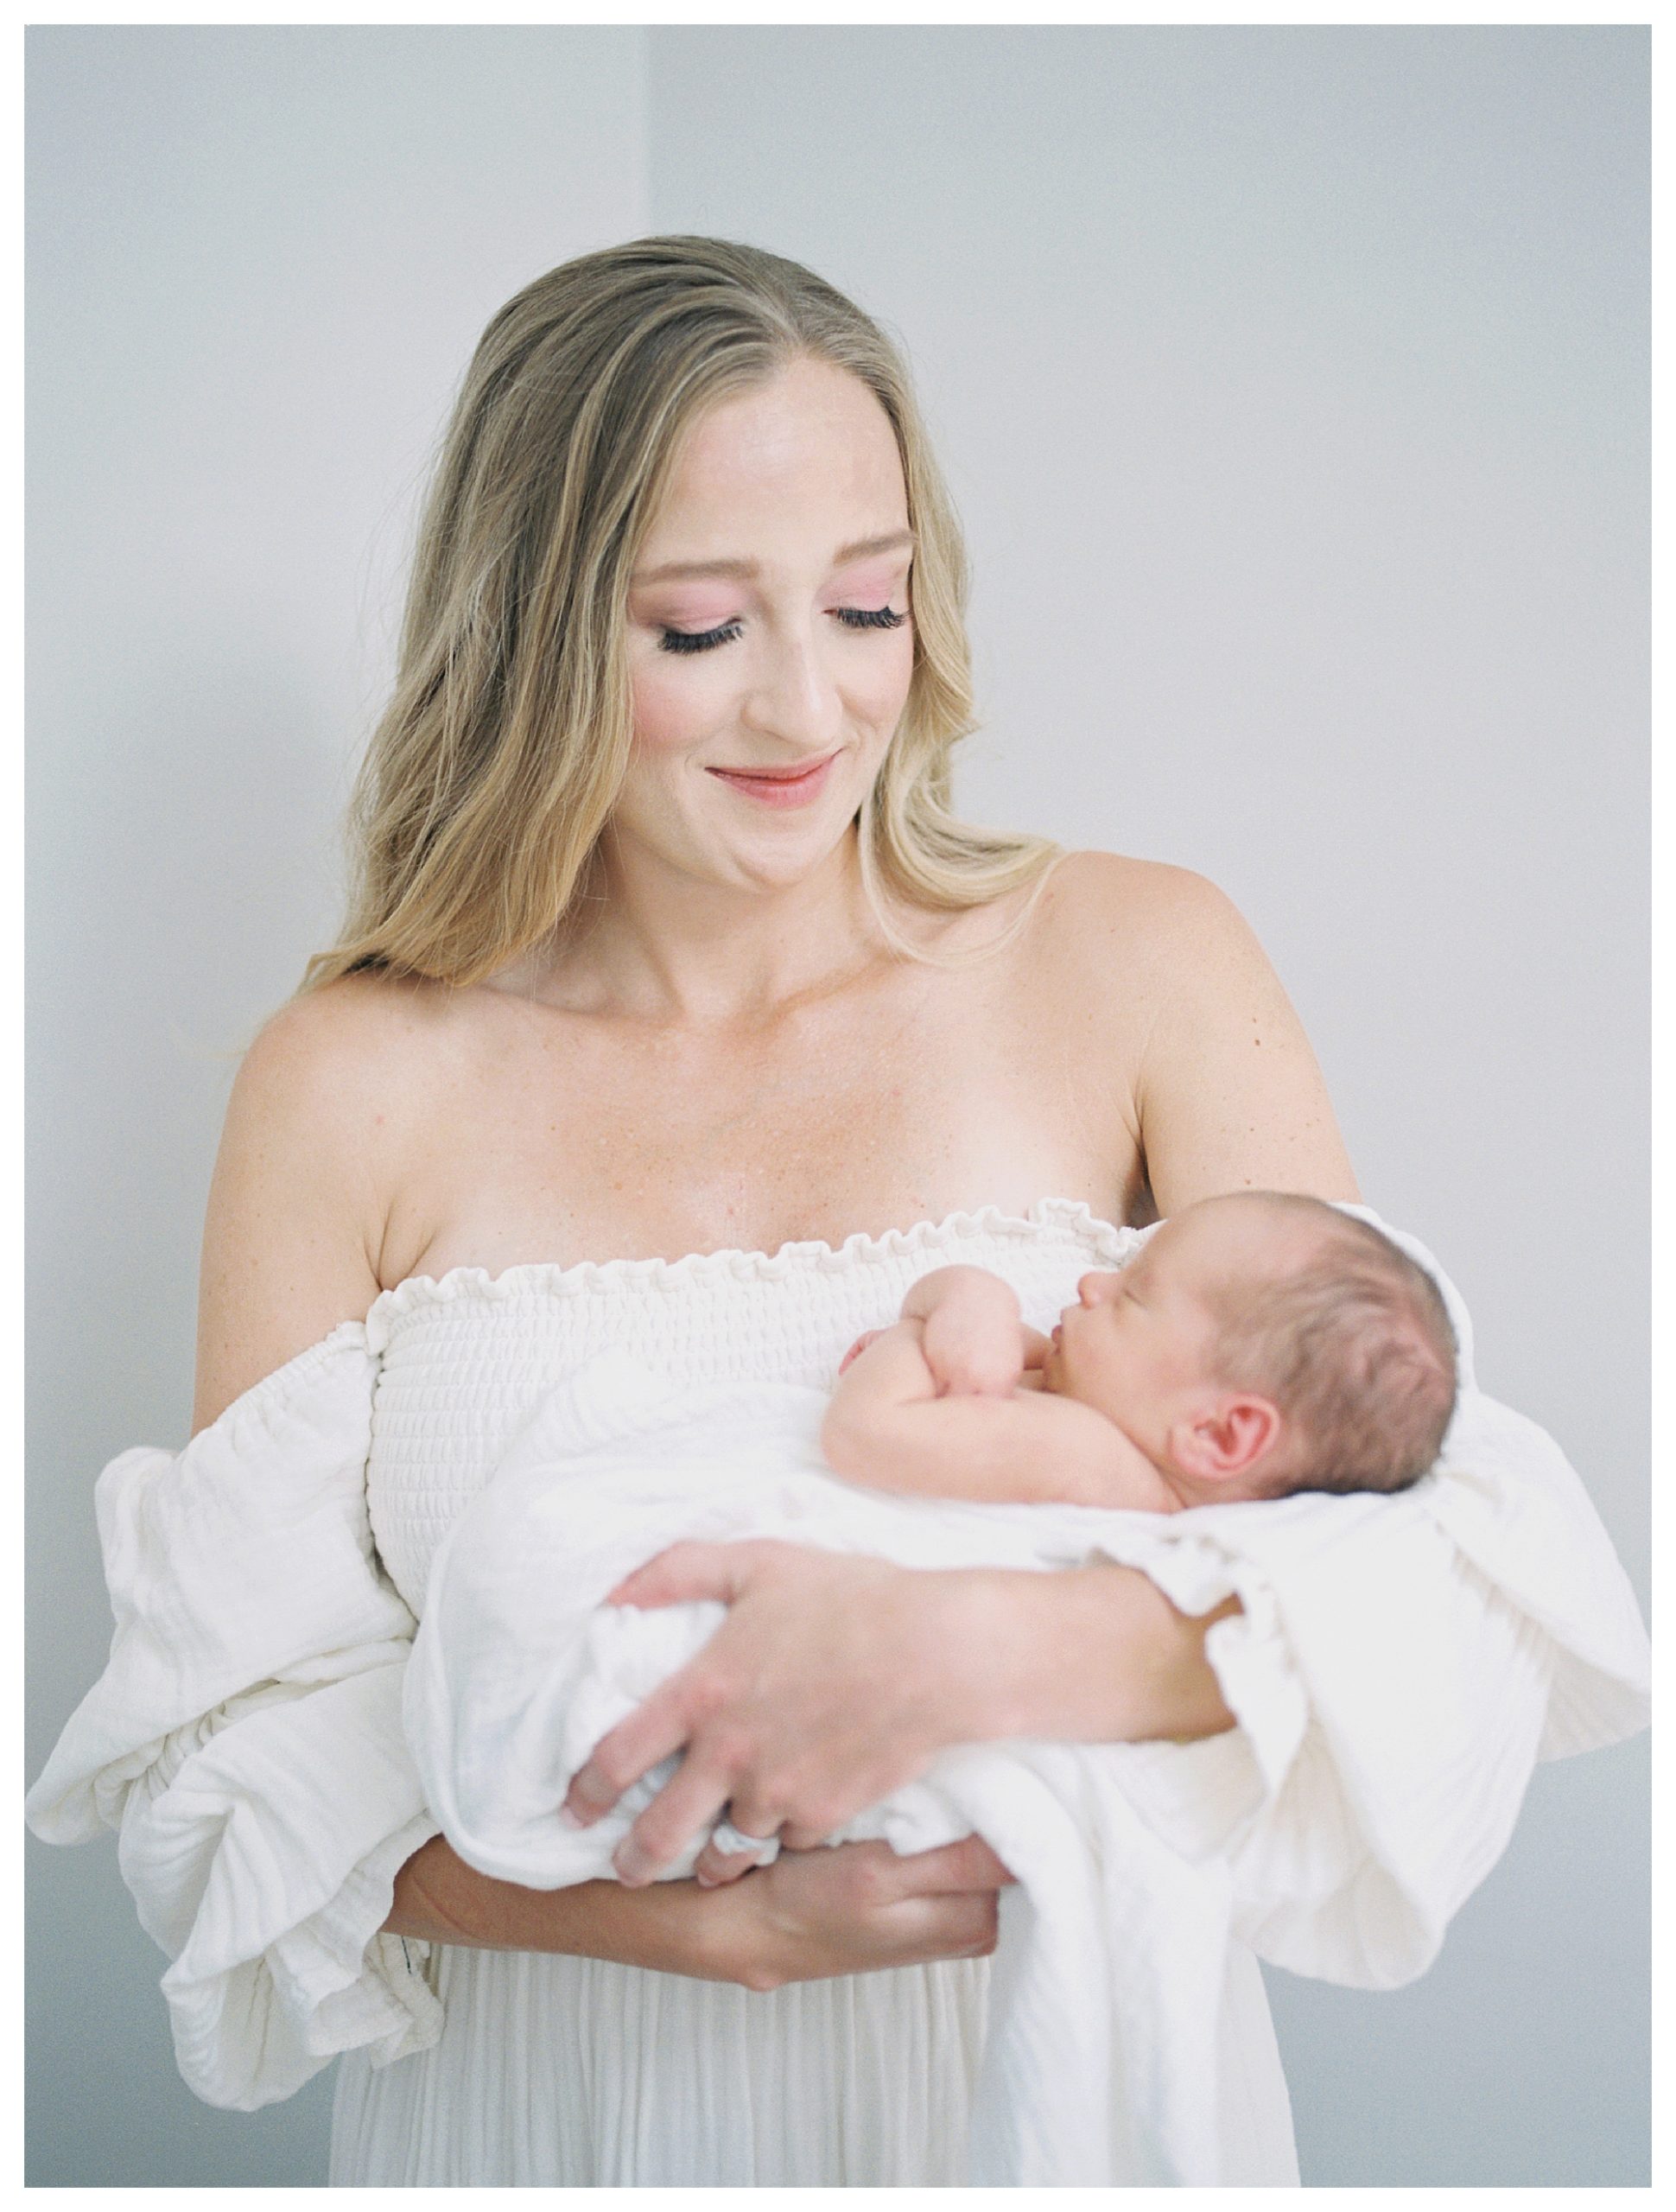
(895, 681)
(667, 713)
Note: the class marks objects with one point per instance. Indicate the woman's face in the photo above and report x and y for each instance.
(771, 643)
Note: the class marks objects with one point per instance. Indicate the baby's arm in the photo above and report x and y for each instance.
(887, 1427)
(974, 1340)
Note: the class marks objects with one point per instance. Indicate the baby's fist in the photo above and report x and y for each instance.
(867, 1336)
(970, 1362)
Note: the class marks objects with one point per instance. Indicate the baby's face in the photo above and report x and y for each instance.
(1138, 1338)
(1138, 1345)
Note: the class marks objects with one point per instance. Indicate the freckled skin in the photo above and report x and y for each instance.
(729, 1053)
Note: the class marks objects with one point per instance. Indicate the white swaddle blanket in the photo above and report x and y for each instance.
(1098, 2064)
(1106, 2000)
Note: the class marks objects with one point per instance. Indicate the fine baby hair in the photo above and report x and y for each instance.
(1353, 1342)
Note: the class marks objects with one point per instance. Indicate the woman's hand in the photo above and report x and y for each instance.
(813, 1913)
(854, 1907)
(835, 1680)
(832, 1680)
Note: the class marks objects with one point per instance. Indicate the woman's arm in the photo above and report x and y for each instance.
(299, 1200)
(1228, 1093)
(810, 1916)
(834, 1680)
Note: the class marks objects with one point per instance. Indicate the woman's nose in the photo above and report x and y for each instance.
(797, 697)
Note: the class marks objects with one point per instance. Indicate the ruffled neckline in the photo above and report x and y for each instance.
(561, 1278)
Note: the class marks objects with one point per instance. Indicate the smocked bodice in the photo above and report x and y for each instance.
(464, 1357)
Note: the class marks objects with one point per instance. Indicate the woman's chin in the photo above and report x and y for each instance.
(782, 858)
(775, 855)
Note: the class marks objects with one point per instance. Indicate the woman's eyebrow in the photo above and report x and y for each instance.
(688, 569)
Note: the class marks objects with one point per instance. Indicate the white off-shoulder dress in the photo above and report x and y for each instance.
(1397, 1667)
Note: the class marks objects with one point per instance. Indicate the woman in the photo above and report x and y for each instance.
(675, 1007)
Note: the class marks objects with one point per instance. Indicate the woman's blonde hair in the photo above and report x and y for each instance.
(479, 807)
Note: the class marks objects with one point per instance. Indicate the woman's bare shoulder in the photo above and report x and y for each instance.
(320, 1124)
(1123, 934)
(1102, 897)
(356, 1025)
(1159, 965)
(366, 1052)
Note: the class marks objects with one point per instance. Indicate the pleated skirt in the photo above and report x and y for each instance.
(583, 2074)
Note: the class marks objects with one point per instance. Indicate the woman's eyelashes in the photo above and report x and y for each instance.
(703, 641)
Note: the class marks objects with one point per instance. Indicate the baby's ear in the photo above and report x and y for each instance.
(1227, 1437)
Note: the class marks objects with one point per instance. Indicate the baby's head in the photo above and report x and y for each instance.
(1263, 1342)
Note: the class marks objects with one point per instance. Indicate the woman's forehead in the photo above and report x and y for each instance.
(813, 443)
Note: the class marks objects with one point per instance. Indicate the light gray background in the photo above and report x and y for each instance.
(1292, 386)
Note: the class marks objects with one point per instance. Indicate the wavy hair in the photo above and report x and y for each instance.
(478, 810)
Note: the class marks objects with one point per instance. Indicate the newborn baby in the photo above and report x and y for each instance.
(1258, 1344)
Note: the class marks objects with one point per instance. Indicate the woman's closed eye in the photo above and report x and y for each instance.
(703, 641)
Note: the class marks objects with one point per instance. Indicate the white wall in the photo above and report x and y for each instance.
(259, 261)
(1292, 386)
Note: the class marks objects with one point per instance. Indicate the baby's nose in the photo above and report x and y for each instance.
(1092, 1289)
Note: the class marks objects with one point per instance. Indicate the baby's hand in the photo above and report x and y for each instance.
(973, 1338)
(973, 1355)
(866, 1337)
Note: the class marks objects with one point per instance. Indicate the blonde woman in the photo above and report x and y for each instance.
(676, 1007)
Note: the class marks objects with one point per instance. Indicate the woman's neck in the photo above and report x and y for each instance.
(668, 947)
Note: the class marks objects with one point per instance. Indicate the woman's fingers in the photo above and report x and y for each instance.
(690, 1570)
(714, 1868)
(950, 1927)
(663, 1724)
(852, 1909)
(669, 1719)
(793, 1710)
(802, 1839)
(690, 1803)
(968, 1866)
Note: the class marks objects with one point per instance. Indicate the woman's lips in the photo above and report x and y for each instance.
(779, 790)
